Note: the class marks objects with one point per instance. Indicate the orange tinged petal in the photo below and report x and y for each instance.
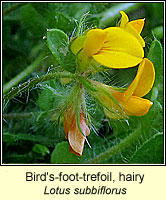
(69, 120)
(76, 141)
(136, 106)
(75, 137)
(111, 109)
(73, 134)
(131, 29)
(84, 126)
(138, 24)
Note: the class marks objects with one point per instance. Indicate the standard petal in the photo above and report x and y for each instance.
(136, 106)
(138, 24)
(131, 29)
(121, 40)
(134, 27)
(116, 59)
(146, 79)
(124, 19)
(94, 41)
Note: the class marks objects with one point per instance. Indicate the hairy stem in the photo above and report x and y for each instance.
(18, 115)
(31, 83)
(17, 79)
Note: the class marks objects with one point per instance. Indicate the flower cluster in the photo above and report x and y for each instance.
(115, 47)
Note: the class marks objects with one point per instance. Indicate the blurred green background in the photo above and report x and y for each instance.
(31, 132)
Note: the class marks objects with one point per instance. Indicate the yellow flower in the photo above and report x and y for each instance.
(131, 101)
(73, 134)
(114, 47)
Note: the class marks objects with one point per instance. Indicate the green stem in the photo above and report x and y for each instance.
(12, 138)
(29, 84)
(18, 115)
(117, 148)
(17, 79)
(111, 14)
(12, 8)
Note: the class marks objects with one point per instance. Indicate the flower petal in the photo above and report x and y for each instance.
(116, 59)
(124, 19)
(136, 106)
(75, 137)
(69, 120)
(94, 41)
(138, 24)
(76, 141)
(77, 44)
(113, 111)
(143, 81)
(146, 80)
(119, 39)
(132, 29)
(84, 126)
(133, 106)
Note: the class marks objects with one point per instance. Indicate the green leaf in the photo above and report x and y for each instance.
(53, 93)
(61, 21)
(45, 100)
(156, 56)
(61, 154)
(150, 152)
(158, 32)
(156, 10)
(40, 149)
(58, 43)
